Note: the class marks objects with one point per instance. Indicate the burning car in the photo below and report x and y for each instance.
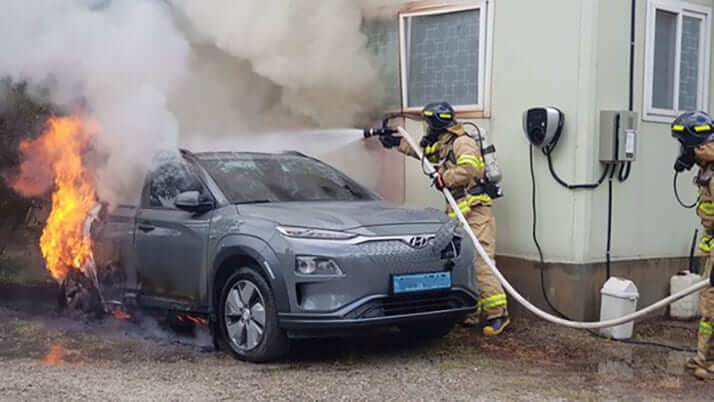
(269, 247)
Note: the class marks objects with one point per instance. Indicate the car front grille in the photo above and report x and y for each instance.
(396, 254)
(413, 304)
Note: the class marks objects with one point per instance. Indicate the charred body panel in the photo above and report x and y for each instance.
(190, 236)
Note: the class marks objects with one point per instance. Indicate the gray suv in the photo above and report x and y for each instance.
(269, 247)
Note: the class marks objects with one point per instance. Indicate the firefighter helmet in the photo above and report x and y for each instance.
(693, 129)
(439, 116)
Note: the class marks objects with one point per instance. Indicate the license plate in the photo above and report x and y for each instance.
(421, 282)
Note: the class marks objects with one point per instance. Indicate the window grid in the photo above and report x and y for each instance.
(465, 87)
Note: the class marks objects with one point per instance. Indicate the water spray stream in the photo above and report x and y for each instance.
(528, 305)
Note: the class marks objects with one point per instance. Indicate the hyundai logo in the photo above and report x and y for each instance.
(419, 241)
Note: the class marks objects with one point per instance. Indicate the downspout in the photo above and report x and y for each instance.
(631, 107)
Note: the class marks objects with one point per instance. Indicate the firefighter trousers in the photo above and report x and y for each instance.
(492, 301)
(705, 352)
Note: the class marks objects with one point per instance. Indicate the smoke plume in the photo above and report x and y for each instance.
(153, 74)
(119, 61)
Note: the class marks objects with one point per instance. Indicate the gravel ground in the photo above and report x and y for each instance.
(45, 356)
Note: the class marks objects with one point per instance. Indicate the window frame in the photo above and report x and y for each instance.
(682, 9)
(485, 52)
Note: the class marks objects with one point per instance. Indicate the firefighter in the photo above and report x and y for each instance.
(695, 131)
(461, 170)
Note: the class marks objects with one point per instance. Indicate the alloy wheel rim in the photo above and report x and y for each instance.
(245, 315)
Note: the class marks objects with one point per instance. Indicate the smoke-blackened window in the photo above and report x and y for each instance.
(252, 178)
(168, 179)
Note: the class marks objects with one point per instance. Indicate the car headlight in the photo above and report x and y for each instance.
(308, 233)
(307, 265)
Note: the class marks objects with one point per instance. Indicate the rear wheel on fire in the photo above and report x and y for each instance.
(248, 318)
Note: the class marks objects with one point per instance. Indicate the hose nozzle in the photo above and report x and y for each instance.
(371, 132)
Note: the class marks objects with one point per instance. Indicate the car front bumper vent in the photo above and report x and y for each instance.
(412, 304)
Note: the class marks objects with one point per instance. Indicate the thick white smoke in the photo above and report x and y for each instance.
(119, 59)
(156, 73)
(278, 64)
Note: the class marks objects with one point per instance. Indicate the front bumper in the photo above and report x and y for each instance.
(385, 310)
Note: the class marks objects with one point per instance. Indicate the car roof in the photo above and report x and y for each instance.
(205, 156)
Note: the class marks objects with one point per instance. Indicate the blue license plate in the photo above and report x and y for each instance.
(421, 282)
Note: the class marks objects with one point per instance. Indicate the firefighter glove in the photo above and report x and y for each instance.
(437, 181)
(390, 141)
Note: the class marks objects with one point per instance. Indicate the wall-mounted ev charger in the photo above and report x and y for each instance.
(543, 126)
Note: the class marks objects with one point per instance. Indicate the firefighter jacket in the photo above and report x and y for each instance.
(704, 155)
(458, 159)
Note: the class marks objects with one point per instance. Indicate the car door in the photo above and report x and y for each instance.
(171, 243)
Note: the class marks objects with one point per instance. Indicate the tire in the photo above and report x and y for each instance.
(433, 329)
(78, 295)
(240, 328)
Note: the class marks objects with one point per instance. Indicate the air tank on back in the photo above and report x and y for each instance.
(493, 171)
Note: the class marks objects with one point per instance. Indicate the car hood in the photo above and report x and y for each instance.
(341, 215)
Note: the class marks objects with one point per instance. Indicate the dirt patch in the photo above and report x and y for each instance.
(44, 355)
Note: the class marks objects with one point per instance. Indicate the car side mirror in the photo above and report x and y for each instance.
(191, 201)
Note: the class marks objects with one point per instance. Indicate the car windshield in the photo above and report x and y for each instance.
(248, 178)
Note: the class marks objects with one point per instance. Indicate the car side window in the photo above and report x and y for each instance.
(166, 181)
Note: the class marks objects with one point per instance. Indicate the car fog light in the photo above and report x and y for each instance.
(317, 266)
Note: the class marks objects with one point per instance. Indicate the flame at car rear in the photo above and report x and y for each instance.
(57, 156)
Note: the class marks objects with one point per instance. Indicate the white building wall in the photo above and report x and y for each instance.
(574, 54)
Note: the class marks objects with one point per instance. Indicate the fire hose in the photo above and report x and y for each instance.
(528, 305)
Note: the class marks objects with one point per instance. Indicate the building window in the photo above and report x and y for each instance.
(444, 57)
(677, 68)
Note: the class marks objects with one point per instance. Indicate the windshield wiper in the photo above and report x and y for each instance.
(253, 202)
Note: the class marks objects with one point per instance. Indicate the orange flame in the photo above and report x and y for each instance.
(121, 315)
(54, 354)
(58, 154)
(197, 320)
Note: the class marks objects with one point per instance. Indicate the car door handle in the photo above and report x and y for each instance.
(146, 228)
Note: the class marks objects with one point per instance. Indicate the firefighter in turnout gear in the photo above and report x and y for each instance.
(461, 169)
(695, 131)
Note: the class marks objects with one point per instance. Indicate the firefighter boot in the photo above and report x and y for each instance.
(705, 373)
(703, 339)
(496, 326)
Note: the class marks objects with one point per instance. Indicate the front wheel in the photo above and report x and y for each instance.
(248, 318)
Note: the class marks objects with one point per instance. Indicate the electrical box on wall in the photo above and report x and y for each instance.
(618, 135)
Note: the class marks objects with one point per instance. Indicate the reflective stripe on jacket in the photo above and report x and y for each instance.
(460, 164)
